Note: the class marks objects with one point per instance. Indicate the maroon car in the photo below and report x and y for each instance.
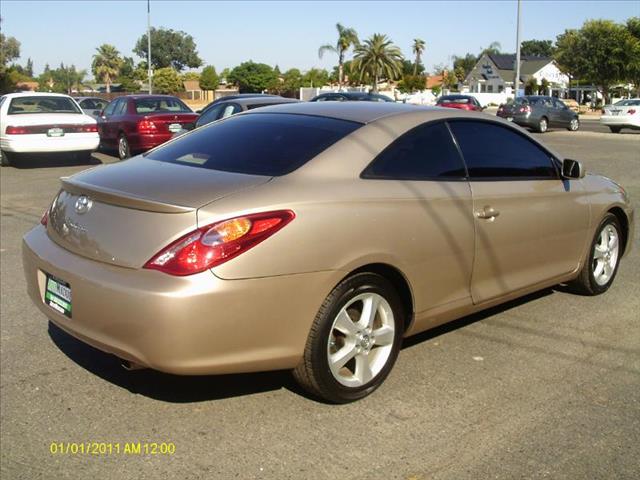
(135, 123)
(462, 102)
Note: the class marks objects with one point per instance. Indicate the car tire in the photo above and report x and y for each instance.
(124, 151)
(600, 268)
(615, 129)
(574, 125)
(5, 161)
(543, 125)
(370, 342)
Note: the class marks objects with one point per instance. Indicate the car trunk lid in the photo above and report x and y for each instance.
(123, 214)
(169, 122)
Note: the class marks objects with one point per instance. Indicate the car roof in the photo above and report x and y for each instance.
(272, 100)
(146, 95)
(238, 96)
(361, 112)
(35, 94)
(455, 96)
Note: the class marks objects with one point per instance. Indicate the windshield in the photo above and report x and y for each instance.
(161, 105)
(455, 100)
(40, 104)
(255, 144)
(633, 102)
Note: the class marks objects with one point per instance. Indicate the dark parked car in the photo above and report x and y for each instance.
(136, 123)
(225, 107)
(239, 96)
(540, 113)
(461, 102)
(350, 97)
(92, 106)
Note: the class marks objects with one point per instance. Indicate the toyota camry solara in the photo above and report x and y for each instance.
(314, 237)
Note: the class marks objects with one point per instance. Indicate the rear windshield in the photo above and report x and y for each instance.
(455, 100)
(257, 144)
(160, 105)
(40, 104)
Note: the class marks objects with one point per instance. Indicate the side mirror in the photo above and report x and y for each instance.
(572, 169)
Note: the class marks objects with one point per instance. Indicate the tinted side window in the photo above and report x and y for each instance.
(111, 107)
(426, 152)
(121, 109)
(492, 151)
(256, 144)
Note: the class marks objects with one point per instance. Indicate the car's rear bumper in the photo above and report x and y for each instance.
(198, 324)
(142, 143)
(41, 143)
(630, 121)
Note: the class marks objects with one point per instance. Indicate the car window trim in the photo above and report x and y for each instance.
(556, 163)
(364, 175)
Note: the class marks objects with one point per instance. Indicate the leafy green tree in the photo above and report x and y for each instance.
(253, 77)
(412, 83)
(450, 80)
(106, 64)
(418, 48)
(28, 70)
(378, 58)
(190, 76)
(464, 64)
(128, 76)
(531, 86)
(544, 86)
(9, 51)
(209, 79)
(167, 80)
(538, 48)
(292, 82)
(600, 52)
(315, 77)
(347, 38)
(408, 67)
(633, 68)
(494, 48)
(169, 48)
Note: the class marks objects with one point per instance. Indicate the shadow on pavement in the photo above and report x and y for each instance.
(49, 160)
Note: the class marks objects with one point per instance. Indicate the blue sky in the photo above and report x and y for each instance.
(288, 33)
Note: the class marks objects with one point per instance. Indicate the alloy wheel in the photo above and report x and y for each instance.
(605, 254)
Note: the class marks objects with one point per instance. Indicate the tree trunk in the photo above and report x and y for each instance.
(108, 82)
(415, 66)
(375, 83)
(340, 74)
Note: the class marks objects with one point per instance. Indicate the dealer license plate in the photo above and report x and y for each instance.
(57, 295)
(55, 132)
(175, 127)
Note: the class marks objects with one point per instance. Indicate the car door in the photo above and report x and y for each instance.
(531, 225)
(565, 115)
(421, 174)
(105, 123)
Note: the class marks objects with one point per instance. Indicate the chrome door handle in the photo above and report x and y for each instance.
(488, 213)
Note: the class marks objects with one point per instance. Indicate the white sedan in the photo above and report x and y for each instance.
(33, 122)
(622, 114)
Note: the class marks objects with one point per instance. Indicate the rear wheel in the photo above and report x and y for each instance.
(4, 159)
(123, 147)
(574, 125)
(600, 269)
(543, 125)
(354, 340)
(615, 129)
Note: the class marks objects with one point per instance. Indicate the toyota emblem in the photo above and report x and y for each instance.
(83, 204)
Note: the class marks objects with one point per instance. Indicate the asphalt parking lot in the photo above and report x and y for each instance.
(543, 387)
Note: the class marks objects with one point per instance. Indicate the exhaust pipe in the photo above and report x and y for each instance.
(130, 366)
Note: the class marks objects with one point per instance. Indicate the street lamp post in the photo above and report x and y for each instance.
(516, 81)
(149, 43)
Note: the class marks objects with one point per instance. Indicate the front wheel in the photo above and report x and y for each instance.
(354, 340)
(123, 147)
(601, 266)
(615, 129)
(4, 159)
(574, 125)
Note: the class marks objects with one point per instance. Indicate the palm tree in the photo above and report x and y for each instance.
(378, 58)
(418, 48)
(106, 64)
(347, 37)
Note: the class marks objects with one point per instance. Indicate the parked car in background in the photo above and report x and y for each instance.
(622, 114)
(350, 97)
(223, 108)
(136, 123)
(33, 122)
(462, 102)
(92, 106)
(539, 113)
(315, 237)
(242, 95)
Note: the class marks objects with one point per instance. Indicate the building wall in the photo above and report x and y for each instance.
(553, 75)
(493, 83)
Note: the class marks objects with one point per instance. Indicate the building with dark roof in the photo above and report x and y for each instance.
(496, 74)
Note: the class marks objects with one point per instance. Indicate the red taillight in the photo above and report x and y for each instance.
(17, 130)
(147, 126)
(215, 244)
(525, 109)
(45, 218)
(88, 128)
(631, 111)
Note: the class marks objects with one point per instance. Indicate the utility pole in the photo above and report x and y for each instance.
(149, 42)
(516, 81)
